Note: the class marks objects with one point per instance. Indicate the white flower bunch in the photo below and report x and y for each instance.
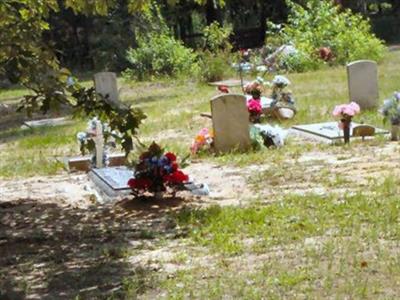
(280, 81)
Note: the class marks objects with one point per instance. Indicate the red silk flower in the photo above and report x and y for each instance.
(139, 183)
(176, 177)
(171, 156)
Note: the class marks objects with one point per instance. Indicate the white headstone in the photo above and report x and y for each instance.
(362, 78)
(106, 85)
(230, 123)
(99, 142)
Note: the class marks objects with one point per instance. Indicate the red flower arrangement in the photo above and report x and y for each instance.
(157, 172)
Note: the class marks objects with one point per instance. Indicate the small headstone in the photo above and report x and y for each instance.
(106, 85)
(362, 78)
(230, 120)
(363, 131)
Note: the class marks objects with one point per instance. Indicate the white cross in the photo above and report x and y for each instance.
(99, 142)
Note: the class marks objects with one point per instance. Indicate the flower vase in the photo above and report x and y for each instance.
(395, 132)
(255, 118)
(346, 124)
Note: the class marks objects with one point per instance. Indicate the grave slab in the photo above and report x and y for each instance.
(328, 132)
(111, 182)
(46, 122)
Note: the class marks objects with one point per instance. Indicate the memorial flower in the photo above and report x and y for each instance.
(391, 111)
(346, 112)
(203, 139)
(86, 139)
(157, 172)
(255, 88)
(280, 82)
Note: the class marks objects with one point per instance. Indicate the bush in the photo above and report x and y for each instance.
(160, 54)
(214, 61)
(321, 23)
(213, 66)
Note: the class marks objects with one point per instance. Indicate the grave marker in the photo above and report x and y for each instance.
(330, 131)
(362, 79)
(230, 120)
(106, 85)
(111, 182)
(99, 142)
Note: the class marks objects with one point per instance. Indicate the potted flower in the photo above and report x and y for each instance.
(391, 112)
(255, 89)
(346, 112)
(283, 103)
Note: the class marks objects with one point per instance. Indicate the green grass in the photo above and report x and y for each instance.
(174, 108)
(340, 244)
(303, 247)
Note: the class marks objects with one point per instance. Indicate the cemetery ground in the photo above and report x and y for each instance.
(307, 220)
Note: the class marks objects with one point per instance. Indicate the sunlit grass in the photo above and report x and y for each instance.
(174, 107)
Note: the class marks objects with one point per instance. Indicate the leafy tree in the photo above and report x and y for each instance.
(26, 58)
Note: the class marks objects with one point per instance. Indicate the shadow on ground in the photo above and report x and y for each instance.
(49, 251)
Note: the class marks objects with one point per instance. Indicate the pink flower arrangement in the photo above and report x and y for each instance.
(346, 110)
(204, 138)
(254, 106)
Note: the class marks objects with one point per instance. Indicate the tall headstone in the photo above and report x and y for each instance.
(230, 120)
(362, 78)
(106, 85)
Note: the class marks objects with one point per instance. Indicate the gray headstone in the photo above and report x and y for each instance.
(362, 78)
(106, 85)
(230, 120)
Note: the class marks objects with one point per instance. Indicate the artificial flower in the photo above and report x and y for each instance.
(139, 183)
(170, 156)
(280, 81)
(254, 106)
(176, 177)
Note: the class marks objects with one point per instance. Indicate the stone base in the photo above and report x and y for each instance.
(83, 163)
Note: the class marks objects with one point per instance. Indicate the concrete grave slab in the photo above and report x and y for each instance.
(362, 78)
(328, 132)
(46, 122)
(230, 120)
(111, 182)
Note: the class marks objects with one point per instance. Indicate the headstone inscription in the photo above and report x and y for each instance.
(230, 120)
(362, 78)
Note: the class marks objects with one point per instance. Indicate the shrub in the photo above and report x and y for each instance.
(213, 66)
(321, 23)
(160, 54)
(214, 61)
